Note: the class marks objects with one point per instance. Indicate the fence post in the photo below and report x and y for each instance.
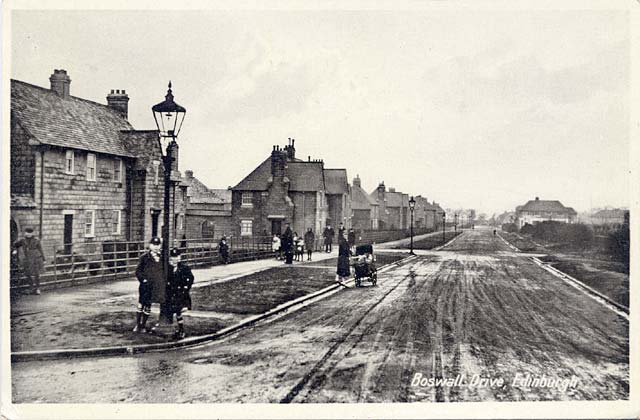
(55, 264)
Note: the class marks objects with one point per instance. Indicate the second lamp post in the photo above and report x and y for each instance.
(412, 207)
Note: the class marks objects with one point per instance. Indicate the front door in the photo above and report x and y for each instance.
(276, 227)
(68, 233)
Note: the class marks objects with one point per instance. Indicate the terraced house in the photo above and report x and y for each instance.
(80, 174)
(284, 189)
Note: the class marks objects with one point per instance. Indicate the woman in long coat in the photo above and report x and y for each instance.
(287, 244)
(343, 270)
(309, 242)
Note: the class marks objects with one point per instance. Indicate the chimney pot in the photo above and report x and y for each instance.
(60, 83)
(119, 101)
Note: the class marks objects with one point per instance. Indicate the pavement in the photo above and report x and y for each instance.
(100, 316)
(474, 321)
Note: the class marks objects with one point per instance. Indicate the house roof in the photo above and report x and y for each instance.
(67, 122)
(199, 193)
(336, 181)
(546, 206)
(258, 179)
(360, 200)
(610, 213)
(305, 176)
(394, 199)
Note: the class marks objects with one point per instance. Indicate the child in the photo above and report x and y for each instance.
(150, 274)
(178, 287)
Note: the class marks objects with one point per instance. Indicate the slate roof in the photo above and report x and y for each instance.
(305, 176)
(198, 193)
(547, 206)
(258, 179)
(360, 200)
(67, 122)
(336, 181)
(394, 199)
(610, 213)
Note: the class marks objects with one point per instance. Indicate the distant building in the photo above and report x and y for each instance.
(80, 173)
(609, 216)
(394, 208)
(207, 212)
(364, 209)
(285, 189)
(537, 210)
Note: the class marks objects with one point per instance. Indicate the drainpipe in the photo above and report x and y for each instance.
(41, 191)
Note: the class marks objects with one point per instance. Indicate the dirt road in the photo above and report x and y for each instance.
(473, 322)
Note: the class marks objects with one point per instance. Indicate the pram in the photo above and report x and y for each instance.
(364, 265)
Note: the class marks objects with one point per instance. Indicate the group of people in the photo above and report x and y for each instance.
(171, 291)
(328, 234)
(290, 245)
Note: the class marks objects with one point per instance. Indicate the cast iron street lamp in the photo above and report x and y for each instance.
(412, 207)
(168, 116)
(455, 222)
(444, 218)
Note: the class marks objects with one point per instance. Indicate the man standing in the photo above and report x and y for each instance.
(328, 238)
(223, 250)
(309, 240)
(31, 259)
(153, 283)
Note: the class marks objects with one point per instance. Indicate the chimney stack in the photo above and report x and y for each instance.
(188, 173)
(60, 83)
(118, 100)
(537, 198)
(356, 181)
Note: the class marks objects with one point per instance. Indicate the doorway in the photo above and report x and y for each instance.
(68, 234)
(155, 216)
(276, 227)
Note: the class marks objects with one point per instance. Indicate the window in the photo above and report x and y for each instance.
(116, 219)
(207, 230)
(247, 199)
(246, 228)
(89, 223)
(91, 167)
(69, 162)
(117, 170)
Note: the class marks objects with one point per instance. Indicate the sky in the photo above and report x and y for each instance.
(482, 109)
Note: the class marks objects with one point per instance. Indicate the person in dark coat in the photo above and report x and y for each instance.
(328, 235)
(30, 257)
(223, 250)
(178, 287)
(309, 241)
(287, 244)
(351, 238)
(153, 283)
(343, 270)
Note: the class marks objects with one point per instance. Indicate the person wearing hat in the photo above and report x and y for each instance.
(31, 258)
(223, 250)
(152, 288)
(178, 287)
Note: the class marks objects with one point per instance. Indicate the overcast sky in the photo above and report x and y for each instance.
(476, 109)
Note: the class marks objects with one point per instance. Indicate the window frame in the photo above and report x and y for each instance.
(118, 167)
(243, 230)
(94, 167)
(90, 234)
(71, 171)
(246, 203)
(118, 224)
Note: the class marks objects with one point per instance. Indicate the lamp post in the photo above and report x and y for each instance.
(168, 116)
(412, 207)
(444, 218)
(455, 222)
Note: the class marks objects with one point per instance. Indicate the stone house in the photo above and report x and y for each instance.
(537, 210)
(284, 189)
(80, 173)
(207, 212)
(394, 208)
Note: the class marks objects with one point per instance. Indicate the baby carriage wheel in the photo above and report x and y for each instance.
(374, 278)
(358, 282)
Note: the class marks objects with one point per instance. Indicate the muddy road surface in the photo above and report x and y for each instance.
(472, 322)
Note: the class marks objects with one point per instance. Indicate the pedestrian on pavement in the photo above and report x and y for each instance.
(153, 283)
(341, 229)
(223, 250)
(30, 257)
(309, 241)
(178, 287)
(276, 247)
(343, 272)
(328, 235)
(295, 246)
(299, 250)
(351, 239)
(287, 244)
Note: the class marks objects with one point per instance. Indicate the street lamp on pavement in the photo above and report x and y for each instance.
(412, 207)
(168, 116)
(455, 222)
(444, 218)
